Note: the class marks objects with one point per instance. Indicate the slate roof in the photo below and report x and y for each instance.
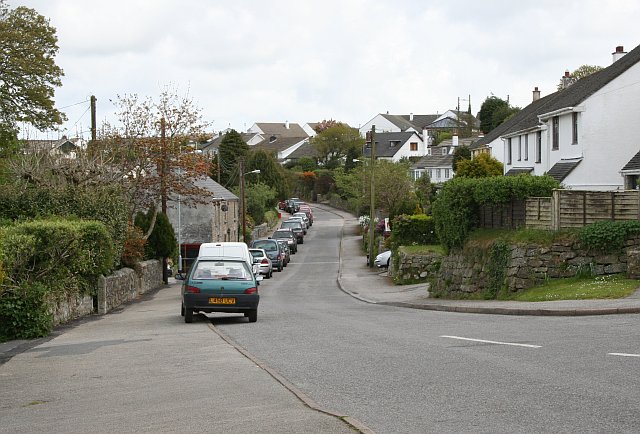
(218, 191)
(562, 168)
(384, 141)
(431, 161)
(280, 130)
(280, 144)
(569, 97)
(519, 171)
(215, 143)
(633, 164)
(404, 123)
(305, 150)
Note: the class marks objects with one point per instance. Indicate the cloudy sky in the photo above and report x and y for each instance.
(246, 61)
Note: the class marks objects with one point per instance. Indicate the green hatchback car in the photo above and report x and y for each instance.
(220, 285)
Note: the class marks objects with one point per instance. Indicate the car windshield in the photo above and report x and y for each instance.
(293, 225)
(267, 246)
(221, 270)
(282, 234)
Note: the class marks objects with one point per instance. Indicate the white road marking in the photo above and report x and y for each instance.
(623, 354)
(492, 342)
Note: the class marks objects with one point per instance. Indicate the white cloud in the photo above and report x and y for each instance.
(250, 60)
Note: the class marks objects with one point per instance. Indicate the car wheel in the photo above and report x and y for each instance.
(301, 242)
(182, 310)
(188, 315)
(253, 315)
(271, 273)
(388, 262)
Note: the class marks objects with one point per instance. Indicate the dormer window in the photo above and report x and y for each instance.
(444, 151)
(272, 139)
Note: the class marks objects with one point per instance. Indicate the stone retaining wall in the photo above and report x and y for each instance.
(126, 284)
(414, 267)
(528, 266)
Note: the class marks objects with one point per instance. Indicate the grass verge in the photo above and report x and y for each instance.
(576, 288)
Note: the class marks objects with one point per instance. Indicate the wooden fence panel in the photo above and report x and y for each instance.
(511, 215)
(538, 213)
(576, 209)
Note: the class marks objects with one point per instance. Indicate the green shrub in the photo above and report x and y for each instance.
(67, 256)
(608, 236)
(105, 204)
(455, 209)
(496, 269)
(415, 229)
(24, 312)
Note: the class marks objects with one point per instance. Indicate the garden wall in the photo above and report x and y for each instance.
(409, 268)
(472, 270)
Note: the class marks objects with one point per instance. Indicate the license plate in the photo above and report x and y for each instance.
(222, 300)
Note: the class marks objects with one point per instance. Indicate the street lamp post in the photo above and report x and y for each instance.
(372, 207)
(243, 206)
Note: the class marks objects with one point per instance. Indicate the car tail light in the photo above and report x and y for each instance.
(264, 261)
(251, 290)
(192, 289)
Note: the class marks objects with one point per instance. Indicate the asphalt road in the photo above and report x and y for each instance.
(412, 371)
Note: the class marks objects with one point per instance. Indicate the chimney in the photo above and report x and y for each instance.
(411, 117)
(286, 124)
(566, 79)
(454, 141)
(618, 53)
(536, 94)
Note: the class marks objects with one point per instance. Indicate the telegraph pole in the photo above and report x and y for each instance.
(163, 187)
(372, 206)
(93, 118)
(242, 204)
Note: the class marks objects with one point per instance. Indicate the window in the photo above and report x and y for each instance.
(430, 172)
(539, 147)
(446, 173)
(444, 151)
(509, 150)
(555, 140)
(526, 147)
(519, 148)
(413, 146)
(428, 151)
(438, 174)
(574, 128)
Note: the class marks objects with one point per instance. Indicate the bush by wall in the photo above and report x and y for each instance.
(24, 312)
(104, 204)
(455, 209)
(413, 229)
(64, 255)
(608, 236)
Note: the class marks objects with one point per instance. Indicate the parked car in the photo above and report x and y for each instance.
(289, 236)
(302, 223)
(220, 285)
(304, 218)
(265, 266)
(273, 250)
(286, 251)
(383, 259)
(296, 227)
(291, 206)
(307, 210)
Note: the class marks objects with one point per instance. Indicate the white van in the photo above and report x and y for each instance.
(234, 250)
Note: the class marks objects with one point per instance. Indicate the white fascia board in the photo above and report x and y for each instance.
(563, 111)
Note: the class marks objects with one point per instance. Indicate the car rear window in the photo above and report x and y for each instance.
(281, 234)
(221, 270)
(267, 246)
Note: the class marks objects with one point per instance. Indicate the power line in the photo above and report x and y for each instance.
(77, 103)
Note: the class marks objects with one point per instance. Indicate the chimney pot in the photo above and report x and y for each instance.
(411, 117)
(567, 73)
(619, 53)
(536, 94)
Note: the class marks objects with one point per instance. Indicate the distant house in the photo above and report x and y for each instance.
(395, 146)
(60, 148)
(279, 138)
(205, 223)
(583, 135)
(438, 163)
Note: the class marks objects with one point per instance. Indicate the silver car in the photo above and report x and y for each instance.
(261, 259)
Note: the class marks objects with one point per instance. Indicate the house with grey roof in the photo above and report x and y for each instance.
(194, 224)
(395, 146)
(438, 163)
(583, 135)
(280, 138)
(63, 147)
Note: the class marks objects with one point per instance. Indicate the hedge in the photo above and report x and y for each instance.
(408, 230)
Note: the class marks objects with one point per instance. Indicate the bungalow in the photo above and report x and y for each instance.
(205, 223)
(582, 135)
(395, 146)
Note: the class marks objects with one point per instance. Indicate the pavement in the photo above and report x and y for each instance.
(376, 287)
(17, 358)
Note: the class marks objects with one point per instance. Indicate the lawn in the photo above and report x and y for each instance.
(576, 288)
